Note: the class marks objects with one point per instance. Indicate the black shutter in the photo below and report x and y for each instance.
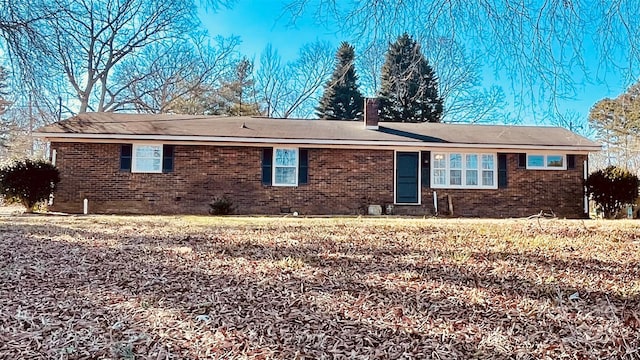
(303, 167)
(267, 159)
(502, 171)
(125, 157)
(522, 161)
(167, 158)
(571, 161)
(426, 169)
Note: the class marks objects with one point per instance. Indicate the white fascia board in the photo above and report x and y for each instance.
(244, 141)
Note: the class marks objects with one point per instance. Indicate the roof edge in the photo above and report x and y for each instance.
(224, 139)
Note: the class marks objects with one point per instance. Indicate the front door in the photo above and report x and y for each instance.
(407, 182)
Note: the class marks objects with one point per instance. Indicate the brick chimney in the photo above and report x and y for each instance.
(371, 113)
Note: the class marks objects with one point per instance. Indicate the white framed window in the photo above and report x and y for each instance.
(488, 170)
(146, 158)
(463, 170)
(285, 167)
(471, 171)
(546, 162)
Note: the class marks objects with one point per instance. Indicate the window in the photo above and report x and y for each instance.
(439, 170)
(472, 170)
(546, 162)
(285, 167)
(147, 159)
(488, 169)
(460, 170)
(142, 158)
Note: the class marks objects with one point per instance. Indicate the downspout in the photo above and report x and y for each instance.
(435, 202)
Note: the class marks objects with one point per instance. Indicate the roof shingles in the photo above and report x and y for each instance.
(112, 125)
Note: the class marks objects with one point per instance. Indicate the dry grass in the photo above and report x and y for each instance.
(262, 288)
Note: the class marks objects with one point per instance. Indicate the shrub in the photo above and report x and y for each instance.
(612, 188)
(221, 206)
(28, 182)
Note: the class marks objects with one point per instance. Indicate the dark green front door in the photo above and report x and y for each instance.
(407, 166)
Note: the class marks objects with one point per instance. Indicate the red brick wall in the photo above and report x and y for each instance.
(340, 182)
(527, 193)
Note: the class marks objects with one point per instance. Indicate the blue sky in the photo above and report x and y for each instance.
(260, 22)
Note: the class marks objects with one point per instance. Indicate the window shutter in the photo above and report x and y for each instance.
(303, 167)
(125, 157)
(502, 171)
(267, 160)
(426, 169)
(522, 160)
(571, 161)
(167, 158)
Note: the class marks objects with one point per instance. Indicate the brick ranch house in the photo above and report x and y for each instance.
(177, 164)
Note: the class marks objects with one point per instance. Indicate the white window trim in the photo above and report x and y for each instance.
(544, 161)
(134, 159)
(395, 180)
(273, 166)
(464, 171)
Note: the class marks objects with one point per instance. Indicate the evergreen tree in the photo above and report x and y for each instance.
(617, 126)
(237, 96)
(341, 99)
(409, 86)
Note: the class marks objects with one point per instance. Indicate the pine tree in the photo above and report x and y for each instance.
(341, 99)
(237, 96)
(409, 86)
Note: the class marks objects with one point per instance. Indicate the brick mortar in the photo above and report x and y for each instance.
(341, 181)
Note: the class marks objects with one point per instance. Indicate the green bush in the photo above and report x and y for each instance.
(612, 188)
(221, 206)
(28, 182)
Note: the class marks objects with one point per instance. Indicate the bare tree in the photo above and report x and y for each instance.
(17, 121)
(293, 89)
(270, 80)
(369, 66)
(89, 40)
(178, 76)
(540, 44)
(4, 91)
(20, 33)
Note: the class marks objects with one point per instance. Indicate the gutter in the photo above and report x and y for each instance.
(214, 140)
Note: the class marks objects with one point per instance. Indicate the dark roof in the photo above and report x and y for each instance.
(265, 130)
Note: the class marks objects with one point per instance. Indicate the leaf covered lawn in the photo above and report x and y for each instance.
(292, 288)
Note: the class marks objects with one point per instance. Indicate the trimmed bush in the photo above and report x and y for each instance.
(612, 188)
(221, 206)
(28, 182)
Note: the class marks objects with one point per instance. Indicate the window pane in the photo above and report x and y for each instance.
(472, 177)
(487, 178)
(286, 157)
(147, 158)
(439, 177)
(439, 161)
(286, 175)
(555, 161)
(144, 164)
(456, 177)
(472, 161)
(455, 161)
(487, 162)
(535, 160)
